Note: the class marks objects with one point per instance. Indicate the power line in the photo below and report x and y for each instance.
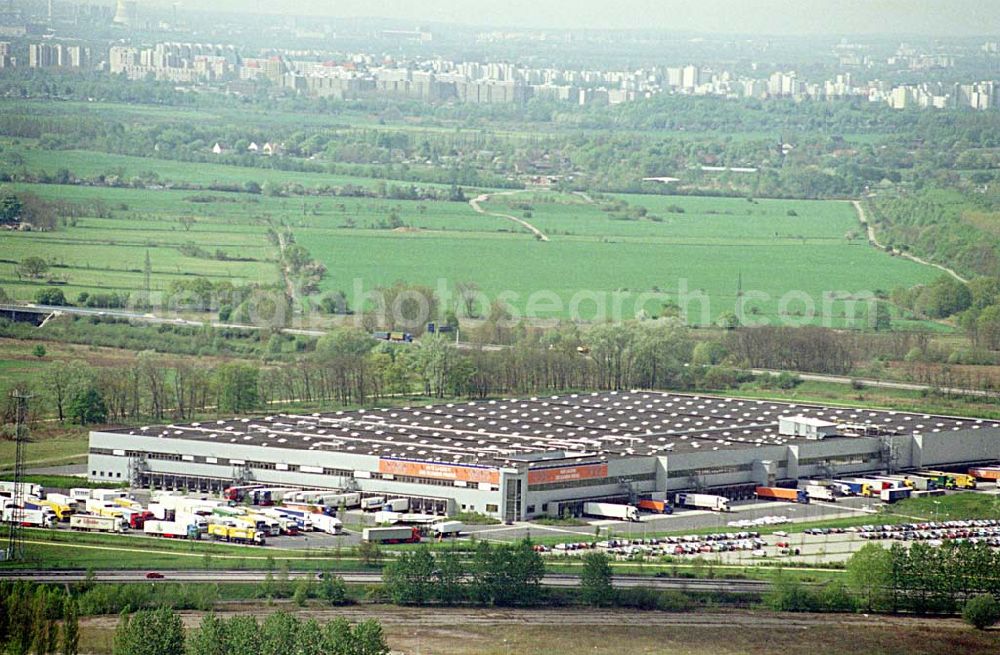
(15, 531)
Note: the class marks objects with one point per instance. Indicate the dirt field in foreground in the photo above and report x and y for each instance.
(573, 632)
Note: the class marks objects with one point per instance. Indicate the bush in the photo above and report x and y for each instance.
(641, 598)
(834, 597)
(788, 595)
(54, 297)
(981, 612)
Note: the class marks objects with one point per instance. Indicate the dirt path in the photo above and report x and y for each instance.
(870, 229)
(286, 273)
(475, 204)
(461, 616)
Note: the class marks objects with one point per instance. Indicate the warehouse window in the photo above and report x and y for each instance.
(718, 470)
(592, 482)
(492, 508)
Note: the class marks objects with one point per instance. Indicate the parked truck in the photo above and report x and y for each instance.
(373, 503)
(856, 487)
(986, 472)
(171, 530)
(136, 519)
(235, 534)
(821, 492)
(612, 511)
(395, 535)
(656, 506)
(348, 500)
(396, 505)
(93, 523)
(34, 518)
(27, 489)
(781, 493)
(61, 512)
(703, 501)
(942, 480)
(893, 494)
(959, 480)
(62, 499)
(327, 524)
(108, 495)
(915, 482)
(448, 528)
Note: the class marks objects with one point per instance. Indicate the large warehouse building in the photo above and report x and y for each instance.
(521, 458)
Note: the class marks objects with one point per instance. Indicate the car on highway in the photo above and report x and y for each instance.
(153, 575)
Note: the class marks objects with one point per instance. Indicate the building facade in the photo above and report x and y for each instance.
(523, 458)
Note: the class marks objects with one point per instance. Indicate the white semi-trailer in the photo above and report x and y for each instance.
(400, 535)
(448, 528)
(396, 505)
(372, 503)
(170, 529)
(327, 524)
(92, 523)
(820, 492)
(612, 511)
(30, 517)
(702, 501)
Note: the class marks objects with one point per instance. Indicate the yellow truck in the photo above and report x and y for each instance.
(959, 480)
(62, 512)
(235, 534)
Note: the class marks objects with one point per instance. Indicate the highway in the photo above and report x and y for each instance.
(550, 580)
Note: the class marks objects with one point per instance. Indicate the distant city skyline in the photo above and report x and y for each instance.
(770, 17)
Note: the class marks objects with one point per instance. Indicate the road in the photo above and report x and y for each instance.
(148, 318)
(474, 203)
(550, 580)
(885, 384)
(870, 229)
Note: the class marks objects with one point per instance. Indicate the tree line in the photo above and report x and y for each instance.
(161, 632)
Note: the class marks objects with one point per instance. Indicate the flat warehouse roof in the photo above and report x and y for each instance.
(553, 429)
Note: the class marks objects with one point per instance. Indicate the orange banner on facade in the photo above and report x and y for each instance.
(438, 471)
(568, 474)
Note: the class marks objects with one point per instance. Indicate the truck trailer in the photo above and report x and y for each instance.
(32, 518)
(942, 480)
(893, 494)
(856, 487)
(171, 530)
(327, 524)
(702, 501)
(656, 506)
(986, 472)
(396, 505)
(448, 528)
(395, 535)
(960, 480)
(821, 492)
(373, 503)
(237, 535)
(612, 511)
(93, 523)
(781, 493)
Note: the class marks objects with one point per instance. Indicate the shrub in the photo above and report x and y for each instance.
(981, 612)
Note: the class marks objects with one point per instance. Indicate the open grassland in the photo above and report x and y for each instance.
(828, 393)
(701, 258)
(783, 259)
(571, 631)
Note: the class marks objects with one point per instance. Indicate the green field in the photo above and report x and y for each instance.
(781, 258)
(704, 254)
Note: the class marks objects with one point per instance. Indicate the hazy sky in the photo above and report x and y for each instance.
(951, 17)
